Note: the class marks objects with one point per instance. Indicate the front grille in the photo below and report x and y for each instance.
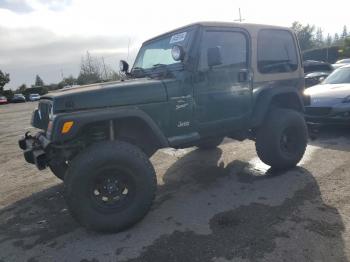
(317, 111)
(44, 108)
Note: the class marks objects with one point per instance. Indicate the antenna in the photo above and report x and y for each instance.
(240, 16)
(127, 59)
(62, 74)
(104, 67)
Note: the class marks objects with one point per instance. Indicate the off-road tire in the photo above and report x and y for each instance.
(59, 169)
(83, 171)
(282, 139)
(210, 143)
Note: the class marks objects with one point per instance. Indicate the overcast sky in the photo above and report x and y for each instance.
(47, 37)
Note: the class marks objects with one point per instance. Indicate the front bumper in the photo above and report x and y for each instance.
(34, 149)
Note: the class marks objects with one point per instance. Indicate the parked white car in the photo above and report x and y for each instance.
(34, 97)
(341, 63)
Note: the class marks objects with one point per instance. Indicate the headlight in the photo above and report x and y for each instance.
(307, 92)
(346, 99)
(177, 52)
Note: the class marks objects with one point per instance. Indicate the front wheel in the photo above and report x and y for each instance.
(58, 168)
(110, 186)
(281, 141)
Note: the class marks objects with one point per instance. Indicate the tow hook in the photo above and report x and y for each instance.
(33, 151)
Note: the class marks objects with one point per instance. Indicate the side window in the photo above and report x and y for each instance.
(276, 52)
(232, 45)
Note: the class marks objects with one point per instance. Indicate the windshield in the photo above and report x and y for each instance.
(159, 51)
(339, 76)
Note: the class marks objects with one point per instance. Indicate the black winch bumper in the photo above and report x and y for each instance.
(34, 149)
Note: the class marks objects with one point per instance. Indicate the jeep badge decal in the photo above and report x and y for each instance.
(183, 124)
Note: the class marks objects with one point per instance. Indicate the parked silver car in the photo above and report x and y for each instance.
(330, 100)
(34, 97)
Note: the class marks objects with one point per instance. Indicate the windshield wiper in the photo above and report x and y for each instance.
(138, 69)
(160, 70)
(135, 71)
(158, 65)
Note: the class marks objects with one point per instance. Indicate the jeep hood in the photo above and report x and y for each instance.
(120, 93)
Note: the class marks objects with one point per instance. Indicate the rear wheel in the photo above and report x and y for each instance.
(281, 141)
(110, 186)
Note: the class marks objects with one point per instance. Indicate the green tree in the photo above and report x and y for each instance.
(4, 79)
(22, 88)
(113, 76)
(329, 40)
(70, 80)
(346, 48)
(38, 81)
(90, 70)
(336, 38)
(8, 93)
(305, 35)
(345, 32)
(319, 39)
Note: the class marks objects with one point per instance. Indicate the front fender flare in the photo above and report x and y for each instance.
(82, 118)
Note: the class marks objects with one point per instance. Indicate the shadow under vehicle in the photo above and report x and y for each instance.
(285, 216)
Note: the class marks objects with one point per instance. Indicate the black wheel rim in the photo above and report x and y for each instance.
(289, 141)
(112, 188)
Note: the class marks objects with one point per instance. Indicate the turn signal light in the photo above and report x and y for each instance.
(67, 127)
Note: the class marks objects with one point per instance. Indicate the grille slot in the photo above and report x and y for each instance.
(44, 109)
(317, 111)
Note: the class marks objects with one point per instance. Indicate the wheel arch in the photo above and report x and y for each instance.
(126, 123)
(280, 97)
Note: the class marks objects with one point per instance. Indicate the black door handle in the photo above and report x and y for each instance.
(243, 75)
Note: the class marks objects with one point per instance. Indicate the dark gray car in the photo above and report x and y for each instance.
(18, 98)
(330, 101)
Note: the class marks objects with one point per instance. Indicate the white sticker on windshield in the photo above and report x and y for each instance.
(178, 38)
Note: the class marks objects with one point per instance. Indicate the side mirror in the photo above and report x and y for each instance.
(123, 66)
(214, 56)
(178, 53)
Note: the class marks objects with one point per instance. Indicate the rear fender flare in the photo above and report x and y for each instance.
(265, 98)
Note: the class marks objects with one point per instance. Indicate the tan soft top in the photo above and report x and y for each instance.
(248, 26)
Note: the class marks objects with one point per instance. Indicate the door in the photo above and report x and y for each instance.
(222, 92)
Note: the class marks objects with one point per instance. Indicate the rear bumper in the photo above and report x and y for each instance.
(34, 148)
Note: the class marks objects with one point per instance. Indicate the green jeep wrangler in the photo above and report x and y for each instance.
(192, 86)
